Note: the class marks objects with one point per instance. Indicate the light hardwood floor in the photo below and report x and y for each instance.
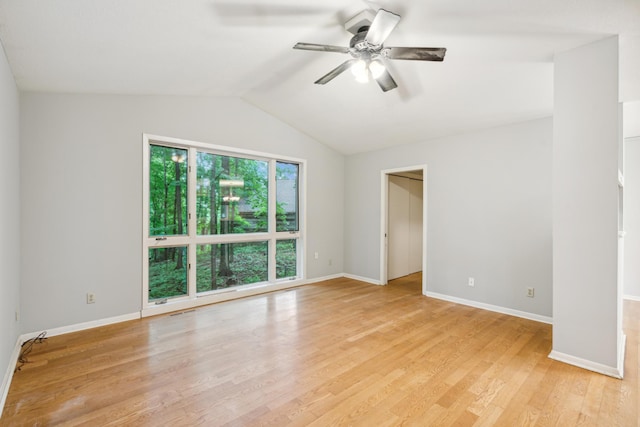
(339, 352)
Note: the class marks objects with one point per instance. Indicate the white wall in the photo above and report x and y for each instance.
(632, 200)
(82, 193)
(9, 219)
(631, 126)
(586, 321)
(632, 218)
(489, 213)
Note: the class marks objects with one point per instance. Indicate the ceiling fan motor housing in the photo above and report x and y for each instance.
(361, 48)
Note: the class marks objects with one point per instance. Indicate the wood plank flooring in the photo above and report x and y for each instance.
(340, 352)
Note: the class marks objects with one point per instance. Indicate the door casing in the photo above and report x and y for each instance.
(384, 222)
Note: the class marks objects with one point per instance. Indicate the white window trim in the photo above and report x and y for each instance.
(192, 299)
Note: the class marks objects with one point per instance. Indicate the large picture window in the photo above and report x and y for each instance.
(217, 220)
(233, 194)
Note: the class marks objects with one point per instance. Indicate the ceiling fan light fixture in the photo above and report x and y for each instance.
(377, 68)
(360, 70)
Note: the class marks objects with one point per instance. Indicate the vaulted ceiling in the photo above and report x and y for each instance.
(498, 68)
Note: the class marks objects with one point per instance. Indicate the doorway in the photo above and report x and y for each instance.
(403, 224)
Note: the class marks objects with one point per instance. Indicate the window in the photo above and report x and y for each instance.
(232, 194)
(217, 220)
(168, 195)
(286, 196)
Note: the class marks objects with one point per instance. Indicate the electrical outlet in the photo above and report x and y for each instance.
(91, 298)
(315, 255)
(330, 261)
(531, 292)
(472, 282)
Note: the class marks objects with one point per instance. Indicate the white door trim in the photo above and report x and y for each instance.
(384, 222)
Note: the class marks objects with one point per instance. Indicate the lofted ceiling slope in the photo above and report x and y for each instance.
(498, 68)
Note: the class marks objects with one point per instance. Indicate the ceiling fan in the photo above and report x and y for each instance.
(368, 52)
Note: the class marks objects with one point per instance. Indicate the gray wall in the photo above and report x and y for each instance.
(81, 172)
(632, 218)
(9, 216)
(489, 213)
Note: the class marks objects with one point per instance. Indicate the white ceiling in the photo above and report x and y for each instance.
(498, 68)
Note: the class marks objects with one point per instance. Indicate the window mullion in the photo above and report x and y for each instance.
(272, 220)
(192, 222)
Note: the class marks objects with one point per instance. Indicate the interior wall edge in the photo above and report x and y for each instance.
(586, 364)
(8, 376)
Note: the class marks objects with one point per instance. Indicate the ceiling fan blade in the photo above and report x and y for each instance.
(381, 27)
(386, 82)
(415, 53)
(335, 72)
(321, 47)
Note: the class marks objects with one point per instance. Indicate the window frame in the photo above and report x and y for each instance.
(191, 240)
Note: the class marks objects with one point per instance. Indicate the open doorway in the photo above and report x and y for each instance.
(403, 225)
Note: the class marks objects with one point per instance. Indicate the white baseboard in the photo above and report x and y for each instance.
(8, 376)
(593, 366)
(82, 326)
(361, 279)
(631, 297)
(476, 304)
(490, 307)
(322, 279)
(621, 355)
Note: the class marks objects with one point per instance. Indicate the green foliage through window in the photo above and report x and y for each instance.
(167, 272)
(232, 194)
(227, 265)
(286, 258)
(167, 191)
